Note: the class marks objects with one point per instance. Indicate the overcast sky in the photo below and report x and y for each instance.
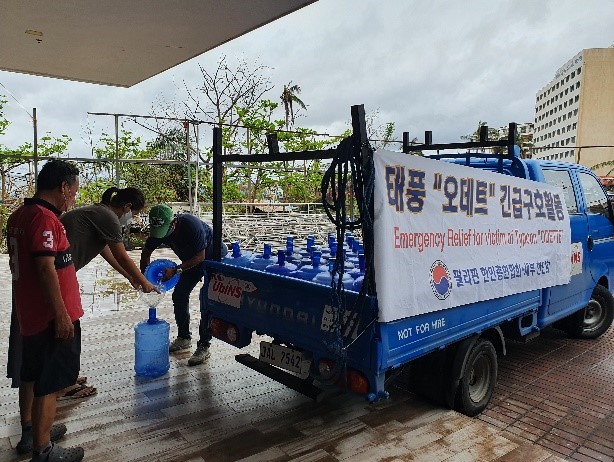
(440, 65)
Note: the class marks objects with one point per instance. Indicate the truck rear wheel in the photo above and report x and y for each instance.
(478, 380)
(595, 319)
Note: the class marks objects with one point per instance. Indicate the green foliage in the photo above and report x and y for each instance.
(4, 123)
(290, 97)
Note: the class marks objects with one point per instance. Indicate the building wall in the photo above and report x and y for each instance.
(576, 109)
(596, 115)
(556, 113)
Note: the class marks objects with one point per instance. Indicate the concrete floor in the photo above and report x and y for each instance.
(554, 401)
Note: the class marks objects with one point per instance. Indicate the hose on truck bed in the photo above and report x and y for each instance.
(347, 165)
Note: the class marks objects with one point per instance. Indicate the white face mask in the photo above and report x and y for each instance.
(126, 218)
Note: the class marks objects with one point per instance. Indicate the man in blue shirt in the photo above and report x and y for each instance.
(192, 241)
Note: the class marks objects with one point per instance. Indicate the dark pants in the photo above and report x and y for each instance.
(181, 306)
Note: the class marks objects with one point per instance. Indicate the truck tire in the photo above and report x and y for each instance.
(478, 380)
(595, 319)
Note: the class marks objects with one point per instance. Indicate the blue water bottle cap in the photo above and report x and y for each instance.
(155, 272)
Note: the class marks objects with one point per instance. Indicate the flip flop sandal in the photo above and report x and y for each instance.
(81, 380)
(79, 392)
(25, 444)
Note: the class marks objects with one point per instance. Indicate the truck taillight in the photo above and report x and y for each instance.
(224, 331)
(357, 382)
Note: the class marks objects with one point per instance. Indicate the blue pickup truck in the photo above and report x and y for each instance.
(323, 338)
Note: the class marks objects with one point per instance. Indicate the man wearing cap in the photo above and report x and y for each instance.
(192, 241)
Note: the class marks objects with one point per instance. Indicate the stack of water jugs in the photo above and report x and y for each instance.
(309, 263)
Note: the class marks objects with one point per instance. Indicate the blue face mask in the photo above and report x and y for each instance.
(126, 218)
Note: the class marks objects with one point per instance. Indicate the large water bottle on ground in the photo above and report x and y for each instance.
(151, 336)
(237, 257)
(151, 342)
(260, 262)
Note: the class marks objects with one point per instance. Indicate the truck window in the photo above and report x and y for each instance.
(562, 179)
(596, 199)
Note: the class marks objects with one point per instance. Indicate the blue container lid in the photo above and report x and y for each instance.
(155, 272)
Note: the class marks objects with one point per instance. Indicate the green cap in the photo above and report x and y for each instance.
(160, 217)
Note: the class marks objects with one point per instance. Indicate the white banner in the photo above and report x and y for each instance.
(447, 235)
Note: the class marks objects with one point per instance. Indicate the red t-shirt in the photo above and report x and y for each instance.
(34, 230)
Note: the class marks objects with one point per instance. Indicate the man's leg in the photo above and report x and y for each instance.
(43, 415)
(204, 332)
(202, 350)
(26, 397)
(181, 305)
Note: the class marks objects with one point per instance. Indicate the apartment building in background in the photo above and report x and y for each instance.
(574, 112)
(525, 133)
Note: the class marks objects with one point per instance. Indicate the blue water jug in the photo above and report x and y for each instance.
(306, 251)
(354, 257)
(360, 271)
(260, 262)
(155, 272)
(326, 277)
(358, 284)
(355, 245)
(237, 257)
(291, 256)
(151, 342)
(282, 267)
(308, 272)
(330, 252)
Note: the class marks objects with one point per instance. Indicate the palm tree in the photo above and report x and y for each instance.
(289, 97)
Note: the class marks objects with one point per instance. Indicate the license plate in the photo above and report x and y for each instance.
(285, 358)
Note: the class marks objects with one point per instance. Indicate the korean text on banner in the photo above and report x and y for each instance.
(448, 235)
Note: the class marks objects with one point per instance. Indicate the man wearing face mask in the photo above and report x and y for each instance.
(192, 241)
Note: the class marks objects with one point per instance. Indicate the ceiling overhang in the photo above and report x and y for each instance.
(119, 42)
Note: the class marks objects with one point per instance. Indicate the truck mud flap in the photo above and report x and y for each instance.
(291, 381)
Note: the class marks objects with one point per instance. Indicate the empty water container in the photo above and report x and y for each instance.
(151, 342)
(237, 257)
(282, 267)
(360, 270)
(308, 272)
(291, 256)
(260, 262)
(306, 251)
(326, 277)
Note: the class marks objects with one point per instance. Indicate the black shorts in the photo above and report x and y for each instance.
(50, 363)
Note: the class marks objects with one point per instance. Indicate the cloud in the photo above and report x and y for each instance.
(426, 65)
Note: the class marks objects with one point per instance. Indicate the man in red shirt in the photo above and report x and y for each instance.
(48, 305)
